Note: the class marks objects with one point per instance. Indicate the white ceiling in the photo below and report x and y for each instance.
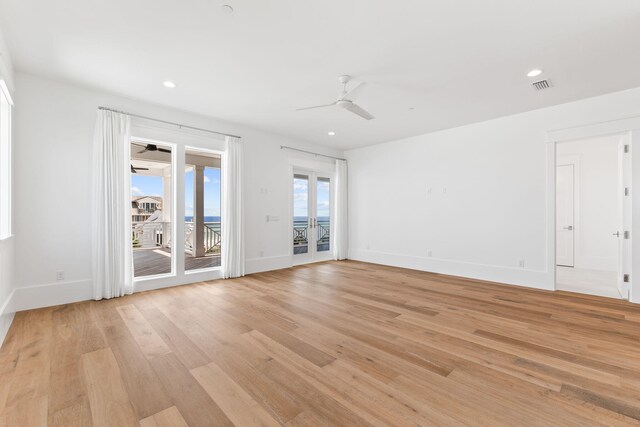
(454, 61)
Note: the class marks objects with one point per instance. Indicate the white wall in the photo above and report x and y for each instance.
(6, 245)
(596, 206)
(476, 196)
(54, 129)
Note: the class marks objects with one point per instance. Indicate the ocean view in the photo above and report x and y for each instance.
(206, 219)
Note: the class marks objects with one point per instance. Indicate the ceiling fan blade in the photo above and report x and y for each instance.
(317, 106)
(355, 92)
(133, 170)
(143, 151)
(164, 150)
(356, 109)
(138, 144)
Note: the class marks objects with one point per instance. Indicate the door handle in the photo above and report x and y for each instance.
(315, 222)
(570, 228)
(617, 234)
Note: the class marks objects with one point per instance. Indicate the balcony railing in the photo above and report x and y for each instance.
(158, 234)
(212, 237)
(301, 239)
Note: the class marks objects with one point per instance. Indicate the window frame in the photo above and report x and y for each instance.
(6, 142)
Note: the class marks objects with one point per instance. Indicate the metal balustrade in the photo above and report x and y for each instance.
(301, 239)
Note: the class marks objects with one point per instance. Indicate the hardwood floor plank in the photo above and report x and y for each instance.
(26, 412)
(170, 417)
(188, 396)
(185, 349)
(142, 383)
(149, 341)
(110, 404)
(236, 403)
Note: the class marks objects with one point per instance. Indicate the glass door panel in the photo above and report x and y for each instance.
(151, 207)
(322, 221)
(301, 217)
(202, 231)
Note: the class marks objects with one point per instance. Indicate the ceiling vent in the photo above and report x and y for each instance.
(541, 84)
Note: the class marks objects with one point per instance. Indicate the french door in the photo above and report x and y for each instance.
(311, 227)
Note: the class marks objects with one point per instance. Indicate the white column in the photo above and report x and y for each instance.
(198, 212)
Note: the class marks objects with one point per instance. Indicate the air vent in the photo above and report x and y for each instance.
(541, 85)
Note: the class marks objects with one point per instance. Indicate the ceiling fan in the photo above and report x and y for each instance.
(345, 100)
(151, 147)
(135, 170)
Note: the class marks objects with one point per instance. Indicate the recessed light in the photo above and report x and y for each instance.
(534, 73)
(169, 84)
(228, 9)
(331, 133)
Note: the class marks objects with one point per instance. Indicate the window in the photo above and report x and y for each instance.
(5, 161)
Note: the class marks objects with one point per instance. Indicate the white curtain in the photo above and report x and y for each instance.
(232, 215)
(341, 218)
(111, 239)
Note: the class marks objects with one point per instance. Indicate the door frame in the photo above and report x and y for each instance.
(313, 173)
(630, 128)
(180, 139)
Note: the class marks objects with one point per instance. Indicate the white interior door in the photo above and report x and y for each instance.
(312, 217)
(565, 199)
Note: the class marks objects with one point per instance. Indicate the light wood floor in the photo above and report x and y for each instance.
(329, 344)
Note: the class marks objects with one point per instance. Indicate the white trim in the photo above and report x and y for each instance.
(258, 265)
(624, 126)
(493, 273)
(7, 314)
(51, 294)
(5, 90)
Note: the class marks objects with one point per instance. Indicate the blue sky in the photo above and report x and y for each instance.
(142, 185)
(301, 196)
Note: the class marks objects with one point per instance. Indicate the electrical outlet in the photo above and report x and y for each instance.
(429, 254)
(521, 263)
(59, 275)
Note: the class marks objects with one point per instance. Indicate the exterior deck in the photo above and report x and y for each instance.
(150, 262)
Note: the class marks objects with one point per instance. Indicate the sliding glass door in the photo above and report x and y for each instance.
(312, 215)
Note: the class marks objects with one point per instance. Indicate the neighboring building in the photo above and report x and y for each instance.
(142, 207)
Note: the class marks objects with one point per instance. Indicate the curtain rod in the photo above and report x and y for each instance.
(168, 122)
(284, 147)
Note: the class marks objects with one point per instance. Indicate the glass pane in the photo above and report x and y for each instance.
(151, 194)
(300, 214)
(202, 210)
(323, 214)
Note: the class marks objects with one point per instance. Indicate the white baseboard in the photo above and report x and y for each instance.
(6, 317)
(511, 276)
(57, 293)
(30, 297)
(258, 265)
(50, 294)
